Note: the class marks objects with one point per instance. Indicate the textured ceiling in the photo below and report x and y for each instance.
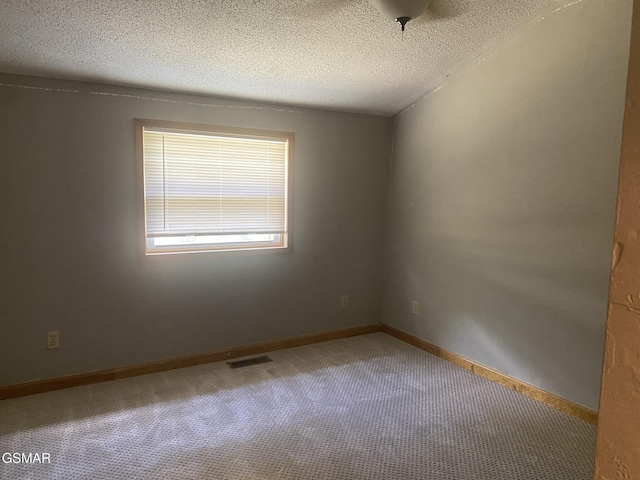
(335, 54)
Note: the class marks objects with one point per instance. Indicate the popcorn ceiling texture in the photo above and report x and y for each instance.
(334, 54)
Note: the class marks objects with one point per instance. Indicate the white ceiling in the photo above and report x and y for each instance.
(333, 54)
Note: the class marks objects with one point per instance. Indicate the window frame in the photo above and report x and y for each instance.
(286, 241)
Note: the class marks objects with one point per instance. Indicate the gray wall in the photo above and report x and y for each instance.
(503, 190)
(68, 249)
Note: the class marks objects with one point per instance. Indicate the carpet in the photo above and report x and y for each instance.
(367, 407)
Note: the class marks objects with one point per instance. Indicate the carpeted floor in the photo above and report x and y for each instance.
(368, 407)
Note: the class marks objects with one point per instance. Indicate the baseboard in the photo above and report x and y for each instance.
(536, 393)
(30, 388)
(41, 386)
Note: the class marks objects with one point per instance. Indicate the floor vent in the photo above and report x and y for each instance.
(249, 361)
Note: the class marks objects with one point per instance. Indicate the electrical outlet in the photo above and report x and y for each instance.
(415, 307)
(344, 301)
(53, 340)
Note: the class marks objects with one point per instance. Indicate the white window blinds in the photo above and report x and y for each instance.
(201, 183)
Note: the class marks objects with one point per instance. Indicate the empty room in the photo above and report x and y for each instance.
(319, 239)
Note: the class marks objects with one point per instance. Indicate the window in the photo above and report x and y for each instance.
(210, 189)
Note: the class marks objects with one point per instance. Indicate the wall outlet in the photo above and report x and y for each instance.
(415, 307)
(344, 301)
(53, 340)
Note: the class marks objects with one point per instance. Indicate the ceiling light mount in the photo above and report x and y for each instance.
(401, 10)
(403, 21)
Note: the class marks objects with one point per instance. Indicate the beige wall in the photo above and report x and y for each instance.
(503, 191)
(618, 448)
(68, 249)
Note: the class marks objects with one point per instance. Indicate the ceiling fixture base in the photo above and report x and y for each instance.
(403, 21)
(401, 10)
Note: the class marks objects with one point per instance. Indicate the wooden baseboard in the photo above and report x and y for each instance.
(536, 393)
(30, 388)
